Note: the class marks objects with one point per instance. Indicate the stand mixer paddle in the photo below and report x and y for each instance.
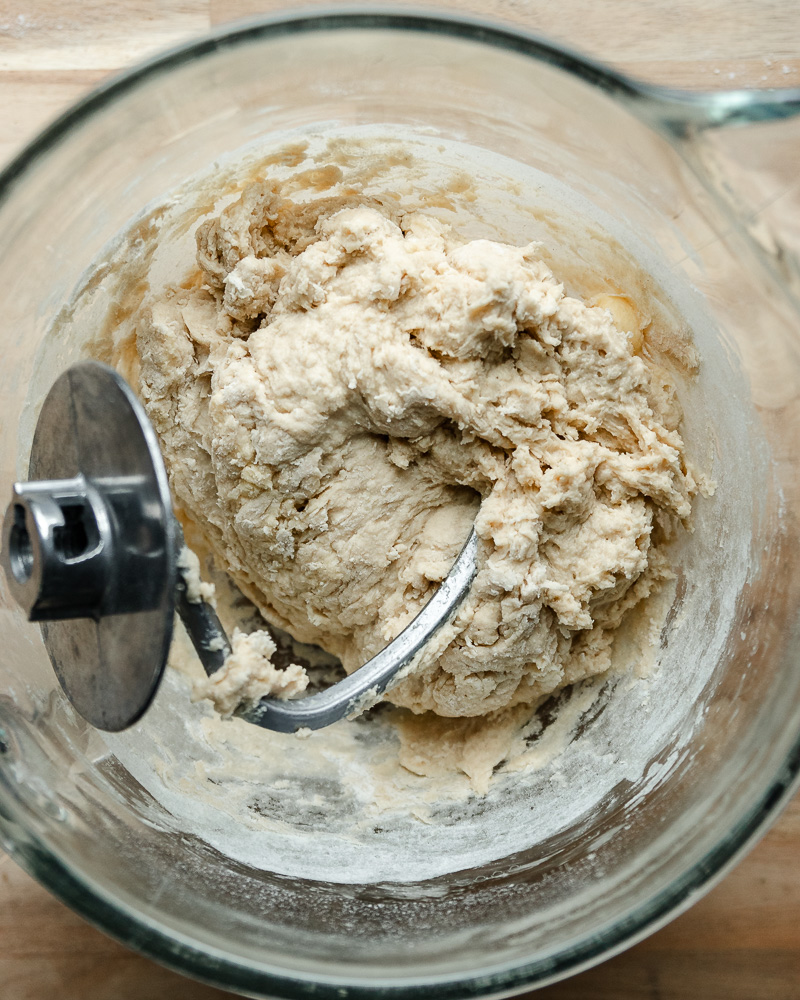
(91, 552)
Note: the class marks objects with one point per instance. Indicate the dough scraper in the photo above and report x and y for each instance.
(91, 551)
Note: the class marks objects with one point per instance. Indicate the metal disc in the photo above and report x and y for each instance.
(93, 428)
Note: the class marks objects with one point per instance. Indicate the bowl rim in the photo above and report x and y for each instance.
(662, 108)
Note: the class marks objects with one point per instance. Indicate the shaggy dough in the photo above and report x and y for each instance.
(341, 389)
(248, 675)
(197, 589)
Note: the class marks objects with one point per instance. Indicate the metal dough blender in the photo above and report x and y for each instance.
(90, 550)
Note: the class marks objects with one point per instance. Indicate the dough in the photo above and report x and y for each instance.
(248, 675)
(197, 589)
(341, 389)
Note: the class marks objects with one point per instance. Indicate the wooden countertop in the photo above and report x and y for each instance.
(742, 941)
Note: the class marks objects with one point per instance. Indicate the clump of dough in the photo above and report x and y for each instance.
(197, 589)
(248, 675)
(345, 388)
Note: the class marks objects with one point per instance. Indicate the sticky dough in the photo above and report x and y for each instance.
(342, 389)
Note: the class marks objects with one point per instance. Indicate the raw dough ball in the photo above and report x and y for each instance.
(342, 389)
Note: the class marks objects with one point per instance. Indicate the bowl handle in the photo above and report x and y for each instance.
(744, 145)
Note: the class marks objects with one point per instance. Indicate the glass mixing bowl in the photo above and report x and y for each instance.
(702, 200)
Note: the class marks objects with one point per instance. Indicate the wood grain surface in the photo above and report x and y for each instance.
(742, 941)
